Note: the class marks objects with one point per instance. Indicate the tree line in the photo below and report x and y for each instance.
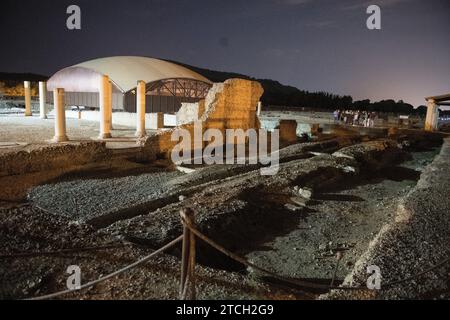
(277, 94)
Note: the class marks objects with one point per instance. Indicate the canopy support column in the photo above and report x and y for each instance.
(105, 92)
(43, 99)
(27, 91)
(431, 120)
(60, 116)
(140, 109)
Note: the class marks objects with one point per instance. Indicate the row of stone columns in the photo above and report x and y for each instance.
(42, 99)
(105, 99)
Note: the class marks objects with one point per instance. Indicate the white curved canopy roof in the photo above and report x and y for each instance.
(123, 71)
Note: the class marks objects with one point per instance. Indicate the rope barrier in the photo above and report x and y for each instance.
(298, 282)
(187, 282)
(111, 275)
(251, 265)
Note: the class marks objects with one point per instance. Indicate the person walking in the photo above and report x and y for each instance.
(372, 119)
(356, 118)
(366, 119)
(336, 115)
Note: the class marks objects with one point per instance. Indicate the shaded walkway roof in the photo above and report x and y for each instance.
(123, 71)
(443, 100)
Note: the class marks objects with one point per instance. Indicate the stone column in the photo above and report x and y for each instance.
(258, 111)
(27, 90)
(431, 120)
(110, 110)
(104, 91)
(60, 116)
(140, 109)
(43, 99)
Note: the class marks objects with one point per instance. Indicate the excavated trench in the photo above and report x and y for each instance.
(265, 221)
(272, 230)
(303, 243)
(281, 241)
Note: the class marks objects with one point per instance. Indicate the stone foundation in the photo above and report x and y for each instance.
(21, 170)
(288, 131)
(51, 157)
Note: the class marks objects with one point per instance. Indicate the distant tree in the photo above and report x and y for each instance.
(421, 110)
(16, 89)
(361, 104)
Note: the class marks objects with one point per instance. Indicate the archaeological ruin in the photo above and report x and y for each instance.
(88, 176)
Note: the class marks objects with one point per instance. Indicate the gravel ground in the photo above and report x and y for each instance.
(26, 229)
(93, 199)
(85, 199)
(343, 219)
(416, 241)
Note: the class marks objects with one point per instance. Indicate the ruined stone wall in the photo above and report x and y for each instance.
(21, 170)
(228, 105)
(51, 157)
(232, 105)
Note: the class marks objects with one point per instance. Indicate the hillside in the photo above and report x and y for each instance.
(278, 94)
(275, 93)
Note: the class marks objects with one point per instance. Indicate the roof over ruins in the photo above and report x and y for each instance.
(443, 100)
(123, 71)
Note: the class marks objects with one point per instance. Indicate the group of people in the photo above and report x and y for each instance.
(355, 117)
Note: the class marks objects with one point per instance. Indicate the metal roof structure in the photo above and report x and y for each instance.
(441, 100)
(123, 71)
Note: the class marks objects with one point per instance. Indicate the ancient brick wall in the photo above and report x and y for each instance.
(229, 105)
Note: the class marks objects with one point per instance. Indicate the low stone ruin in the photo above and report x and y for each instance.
(288, 131)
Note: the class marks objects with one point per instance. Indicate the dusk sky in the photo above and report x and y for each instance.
(316, 45)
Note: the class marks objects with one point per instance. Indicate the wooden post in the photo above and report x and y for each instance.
(184, 254)
(192, 256)
(187, 256)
